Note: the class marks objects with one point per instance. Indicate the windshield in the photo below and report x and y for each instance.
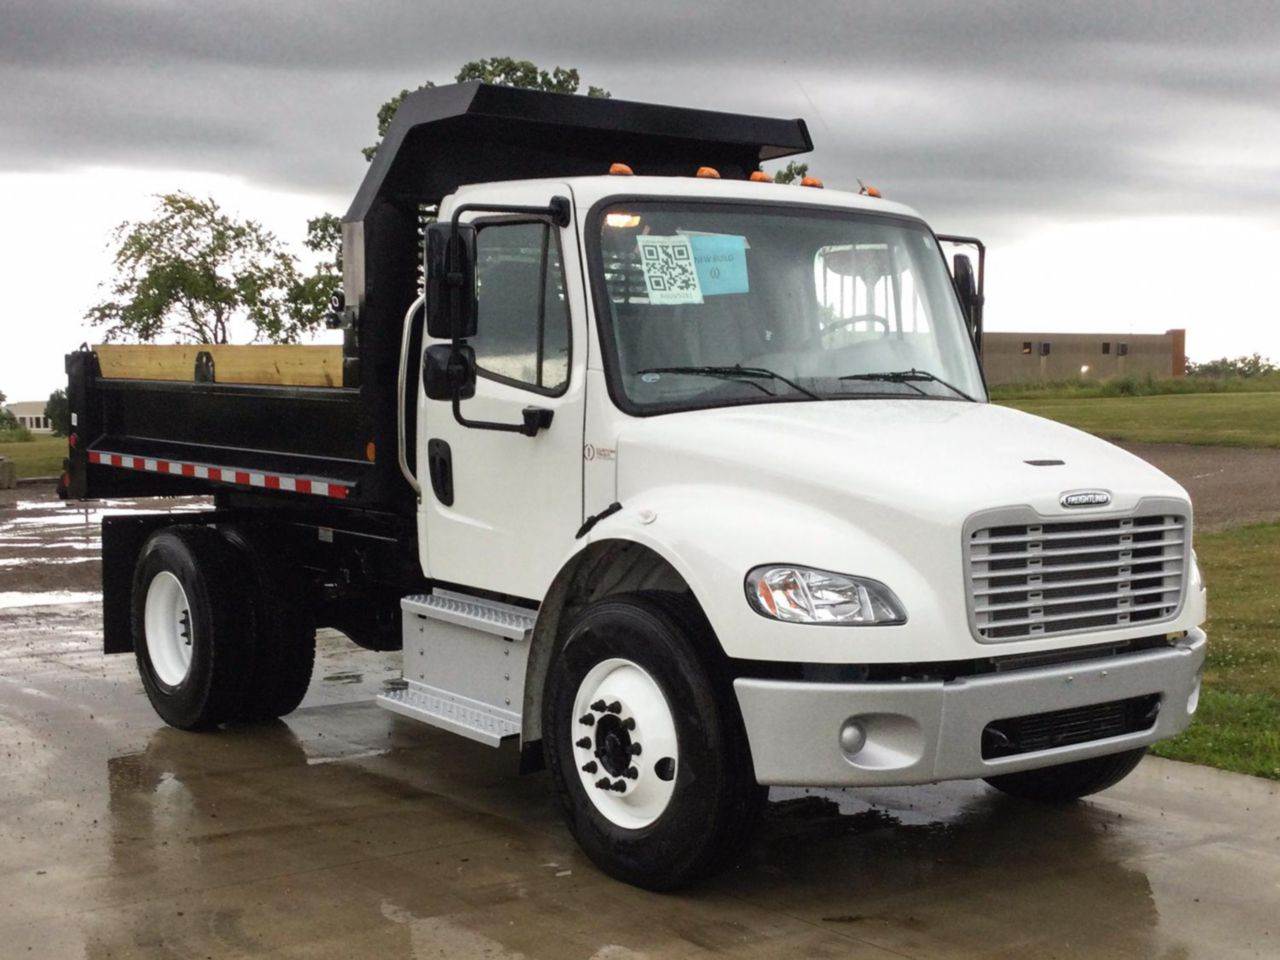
(718, 304)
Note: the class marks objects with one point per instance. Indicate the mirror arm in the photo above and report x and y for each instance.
(535, 420)
(557, 211)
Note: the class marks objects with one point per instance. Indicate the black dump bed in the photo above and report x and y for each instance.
(136, 436)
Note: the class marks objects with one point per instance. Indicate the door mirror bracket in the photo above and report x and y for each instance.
(535, 420)
(449, 370)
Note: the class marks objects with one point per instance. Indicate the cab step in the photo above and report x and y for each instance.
(449, 711)
(487, 616)
(463, 664)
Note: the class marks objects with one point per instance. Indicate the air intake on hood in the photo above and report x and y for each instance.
(1036, 579)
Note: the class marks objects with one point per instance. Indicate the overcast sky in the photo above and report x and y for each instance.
(1123, 159)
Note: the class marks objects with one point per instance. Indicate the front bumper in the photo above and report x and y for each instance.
(926, 732)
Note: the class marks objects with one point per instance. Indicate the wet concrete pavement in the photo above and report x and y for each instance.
(345, 831)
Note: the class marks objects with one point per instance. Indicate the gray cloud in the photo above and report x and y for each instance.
(976, 113)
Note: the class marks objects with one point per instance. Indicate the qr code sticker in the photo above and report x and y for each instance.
(670, 276)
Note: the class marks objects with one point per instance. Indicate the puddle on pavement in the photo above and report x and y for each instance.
(47, 547)
(344, 678)
(17, 599)
(43, 561)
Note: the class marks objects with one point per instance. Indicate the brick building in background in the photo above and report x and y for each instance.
(1021, 357)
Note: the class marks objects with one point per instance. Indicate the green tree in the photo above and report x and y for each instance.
(58, 410)
(324, 233)
(1255, 365)
(503, 71)
(324, 236)
(191, 271)
(7, 420)
(793, 172)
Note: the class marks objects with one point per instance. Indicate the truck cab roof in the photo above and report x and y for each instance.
(589, 190)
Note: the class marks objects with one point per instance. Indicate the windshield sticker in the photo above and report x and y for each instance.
(721, 262)
(669, 273)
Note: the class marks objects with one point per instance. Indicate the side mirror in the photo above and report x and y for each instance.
(451, 282)
(966, 285)
(449, 371)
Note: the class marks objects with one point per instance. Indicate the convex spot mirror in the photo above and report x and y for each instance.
(449, 371)
(451, 282)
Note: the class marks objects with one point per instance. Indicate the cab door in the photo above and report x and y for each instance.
(516, 500)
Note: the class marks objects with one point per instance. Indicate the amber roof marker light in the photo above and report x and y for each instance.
(759, 176)
(811, 182)
(708, 173)
(620, 170)
(866, 190)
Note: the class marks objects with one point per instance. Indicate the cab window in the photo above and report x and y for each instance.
(523, 316)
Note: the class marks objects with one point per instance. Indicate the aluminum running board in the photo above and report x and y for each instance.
(465, 671)
(450, 711)
(487, 616)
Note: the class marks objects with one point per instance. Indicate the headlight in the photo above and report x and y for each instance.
(805, 595)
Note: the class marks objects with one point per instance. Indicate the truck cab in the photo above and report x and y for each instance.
(696, 490)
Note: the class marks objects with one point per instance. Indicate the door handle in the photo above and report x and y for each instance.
(440, 469)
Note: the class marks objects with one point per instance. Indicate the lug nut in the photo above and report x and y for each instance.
(604, 784)
(629, 724)
(598, 706)
(632, 773)
(590, 767)
(619, 786)
(584, 743)
(614, 707)
(587, 720)
(635, 749)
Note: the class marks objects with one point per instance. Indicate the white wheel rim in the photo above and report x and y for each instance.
(618, 710)
(167, 621)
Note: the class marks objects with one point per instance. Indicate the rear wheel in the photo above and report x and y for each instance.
(645, 746)
(1069, 781)
(284, 635)
(190, 632)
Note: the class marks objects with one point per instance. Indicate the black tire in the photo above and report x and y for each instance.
(1069, 781)
(284, 633)
(716, 800)
(211, 575)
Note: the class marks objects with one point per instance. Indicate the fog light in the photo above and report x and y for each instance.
(852, 738)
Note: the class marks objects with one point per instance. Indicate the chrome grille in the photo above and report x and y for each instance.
(1036, 579)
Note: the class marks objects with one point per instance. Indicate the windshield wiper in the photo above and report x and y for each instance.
(910, 378)
(736, 372)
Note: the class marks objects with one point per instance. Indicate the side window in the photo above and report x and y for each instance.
(523, 319)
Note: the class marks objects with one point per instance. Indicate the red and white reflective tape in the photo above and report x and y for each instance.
(245, 478)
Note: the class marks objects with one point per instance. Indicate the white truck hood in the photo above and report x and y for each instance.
(879, 488)
(939, 460)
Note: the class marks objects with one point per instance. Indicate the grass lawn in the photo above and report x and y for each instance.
(1238, 723)
(41, 457)
(1223, 419)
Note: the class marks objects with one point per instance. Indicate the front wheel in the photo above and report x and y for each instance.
(1069, 781)
(644, 744)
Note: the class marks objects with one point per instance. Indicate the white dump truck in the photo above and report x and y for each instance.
(684, 479)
